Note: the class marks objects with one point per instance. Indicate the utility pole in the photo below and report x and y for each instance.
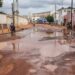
(71, 14)
(55, 13)
(17, 11)
(13, 14)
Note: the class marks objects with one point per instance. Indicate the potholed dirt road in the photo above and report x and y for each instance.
(37, 52)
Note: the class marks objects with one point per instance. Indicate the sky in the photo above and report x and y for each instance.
(35, 6)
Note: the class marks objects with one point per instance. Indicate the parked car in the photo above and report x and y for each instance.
(42, 20)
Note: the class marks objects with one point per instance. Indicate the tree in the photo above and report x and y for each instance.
(1, 2)
(50, 19)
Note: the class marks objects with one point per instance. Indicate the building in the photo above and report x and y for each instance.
(36, 16)
(60, 13)
(56, 16)
(67, 19)
(42, 14)
(6, 20)
(21, 20)
(3, 18)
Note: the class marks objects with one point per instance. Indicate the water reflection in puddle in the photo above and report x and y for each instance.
(47, 57)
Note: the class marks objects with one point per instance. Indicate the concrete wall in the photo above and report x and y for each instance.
(3, 19)
(21, 20)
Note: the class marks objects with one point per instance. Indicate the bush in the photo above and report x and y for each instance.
(50, 19)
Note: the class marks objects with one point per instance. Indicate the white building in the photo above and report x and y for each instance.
(61, 13)
(6, 19)
(36, 16)
(21, 20)
(3, 18)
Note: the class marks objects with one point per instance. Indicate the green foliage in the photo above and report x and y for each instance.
(50, 19)
(1, 2)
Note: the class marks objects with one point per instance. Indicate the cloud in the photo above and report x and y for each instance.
(35, 5)
(31, 4)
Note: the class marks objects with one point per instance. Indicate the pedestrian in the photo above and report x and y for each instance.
(12, 29)
(33, 24)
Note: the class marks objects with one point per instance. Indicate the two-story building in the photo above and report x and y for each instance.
(60, 14)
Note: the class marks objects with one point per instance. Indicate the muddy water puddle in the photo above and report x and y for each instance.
(47, 57)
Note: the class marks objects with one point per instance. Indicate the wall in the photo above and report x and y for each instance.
(61, 14)
(3, 19)
(21, 20)
(68, 17)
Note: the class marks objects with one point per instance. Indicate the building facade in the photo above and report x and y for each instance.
(61, 13)
(36, 16)
(6, 20)
(42, 14)
(21, 20)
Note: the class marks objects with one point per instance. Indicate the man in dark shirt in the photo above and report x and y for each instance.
(12, 28)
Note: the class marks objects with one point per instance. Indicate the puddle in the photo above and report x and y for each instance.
(47, 58)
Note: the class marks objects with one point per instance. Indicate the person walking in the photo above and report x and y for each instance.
(12, 29)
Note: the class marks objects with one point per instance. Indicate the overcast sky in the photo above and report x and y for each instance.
(34, 6)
